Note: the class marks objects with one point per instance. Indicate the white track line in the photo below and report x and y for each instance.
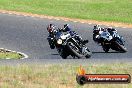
(25, 55)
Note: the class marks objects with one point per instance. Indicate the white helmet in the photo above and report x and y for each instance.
(97, 27)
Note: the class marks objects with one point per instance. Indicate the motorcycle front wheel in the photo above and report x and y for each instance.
(105, 47)
(62, 53)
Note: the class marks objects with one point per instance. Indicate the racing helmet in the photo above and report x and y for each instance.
(50, 28)
(66, 27)
(96, 29)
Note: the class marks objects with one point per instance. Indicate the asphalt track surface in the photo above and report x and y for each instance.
(28, 35)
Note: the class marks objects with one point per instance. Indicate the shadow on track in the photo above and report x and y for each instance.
(69, 57)
(105, 52)
(55, 54)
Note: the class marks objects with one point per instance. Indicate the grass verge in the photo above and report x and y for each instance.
(101, 10)
(5, 54)
(58, 76)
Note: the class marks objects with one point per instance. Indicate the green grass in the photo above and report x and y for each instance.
(102, 10)
(58, 76)
(9, 55)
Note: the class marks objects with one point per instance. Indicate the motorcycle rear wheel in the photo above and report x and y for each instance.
(105, 48)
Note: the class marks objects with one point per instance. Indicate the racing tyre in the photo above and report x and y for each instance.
(74, 49)
(62, 54)
(52, 46)
(106, 50)
(122, 48)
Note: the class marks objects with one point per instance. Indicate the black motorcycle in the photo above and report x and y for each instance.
(67, 45)
(112, 41)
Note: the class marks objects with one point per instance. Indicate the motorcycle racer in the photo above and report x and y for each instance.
(98, 32)
(108, 38)
(73, 33)
(67, 42)
(52, 31)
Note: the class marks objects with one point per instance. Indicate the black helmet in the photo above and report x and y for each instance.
(66, 27)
